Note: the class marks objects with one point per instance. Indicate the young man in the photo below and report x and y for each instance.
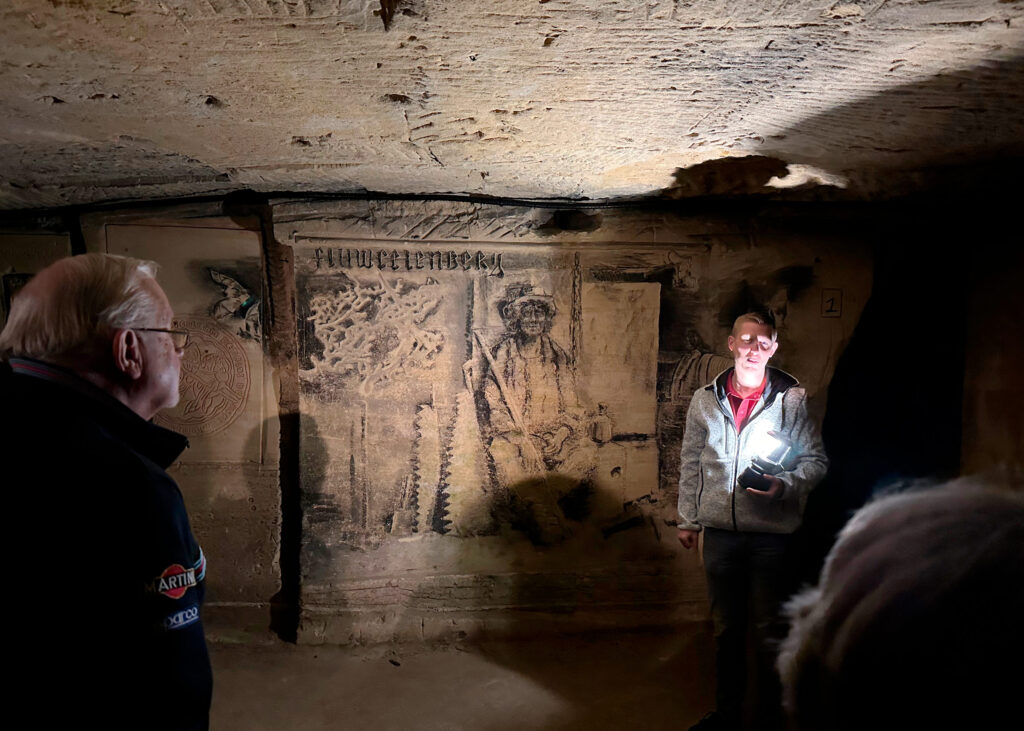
(746, 529)
(105, 579)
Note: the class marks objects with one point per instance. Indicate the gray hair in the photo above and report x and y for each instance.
(97, 294)
(916, 622)
(758, 318)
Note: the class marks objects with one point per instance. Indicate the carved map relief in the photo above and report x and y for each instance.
(213, 278)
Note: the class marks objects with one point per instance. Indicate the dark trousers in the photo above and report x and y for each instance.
(749, 577)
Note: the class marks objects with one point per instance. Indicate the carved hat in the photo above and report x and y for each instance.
(517, 295)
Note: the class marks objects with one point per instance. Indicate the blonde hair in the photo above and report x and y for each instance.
(94, 295)
(758, 318)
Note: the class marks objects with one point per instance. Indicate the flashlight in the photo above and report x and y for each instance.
(771, 456)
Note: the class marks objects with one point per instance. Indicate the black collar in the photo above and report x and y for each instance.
(776, 383)
(158, 444)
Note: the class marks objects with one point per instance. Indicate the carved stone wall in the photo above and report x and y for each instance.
(374, 457)
(492, 400)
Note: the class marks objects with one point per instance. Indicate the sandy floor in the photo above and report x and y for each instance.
(607, 681)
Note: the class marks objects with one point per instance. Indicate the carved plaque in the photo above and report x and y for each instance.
(215, 380)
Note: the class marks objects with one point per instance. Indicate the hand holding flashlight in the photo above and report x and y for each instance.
(760, 477)
(774, 489)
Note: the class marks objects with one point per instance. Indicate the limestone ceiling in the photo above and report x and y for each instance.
(122, 99)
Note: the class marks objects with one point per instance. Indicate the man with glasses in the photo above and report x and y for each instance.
(105, 577)
(746, 528)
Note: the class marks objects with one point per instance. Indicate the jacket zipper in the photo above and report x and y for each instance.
(735, 477)
(736, 462)
(736, 459)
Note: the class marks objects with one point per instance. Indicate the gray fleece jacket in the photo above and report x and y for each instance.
(713, 455)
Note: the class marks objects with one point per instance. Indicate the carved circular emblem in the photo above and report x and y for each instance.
(214, 380)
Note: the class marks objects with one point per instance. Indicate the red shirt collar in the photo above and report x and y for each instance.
(730, 388)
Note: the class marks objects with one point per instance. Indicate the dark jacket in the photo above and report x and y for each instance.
(107, 580)
(713, 454)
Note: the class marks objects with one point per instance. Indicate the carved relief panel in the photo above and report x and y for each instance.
(470, 391)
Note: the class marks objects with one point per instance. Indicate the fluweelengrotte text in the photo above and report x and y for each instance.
(409, 260)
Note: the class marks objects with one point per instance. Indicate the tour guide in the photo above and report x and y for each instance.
(746, 529)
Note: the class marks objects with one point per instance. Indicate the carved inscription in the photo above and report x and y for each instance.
(831, 302)
(408, 260)
(214, 380)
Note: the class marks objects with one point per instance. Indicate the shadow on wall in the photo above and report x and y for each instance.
(577, 566)
(303, 501)
(726, 177)
(318, 506)
(975, 114)
(941, 133)
(553, 508)
(253, 533)
(895, 402)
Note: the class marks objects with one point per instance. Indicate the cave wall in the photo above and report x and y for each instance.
(421, 517)
(354, 476)
(993, 427)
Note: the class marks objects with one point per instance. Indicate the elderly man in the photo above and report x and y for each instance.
(746, 528)
(105, 577)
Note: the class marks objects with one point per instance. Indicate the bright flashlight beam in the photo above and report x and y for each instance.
(765, 444)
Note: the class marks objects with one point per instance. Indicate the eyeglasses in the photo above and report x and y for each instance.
(179, 337)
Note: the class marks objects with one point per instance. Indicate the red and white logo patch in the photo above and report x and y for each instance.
(175, 581)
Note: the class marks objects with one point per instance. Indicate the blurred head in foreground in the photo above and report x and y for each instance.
(918, 619)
